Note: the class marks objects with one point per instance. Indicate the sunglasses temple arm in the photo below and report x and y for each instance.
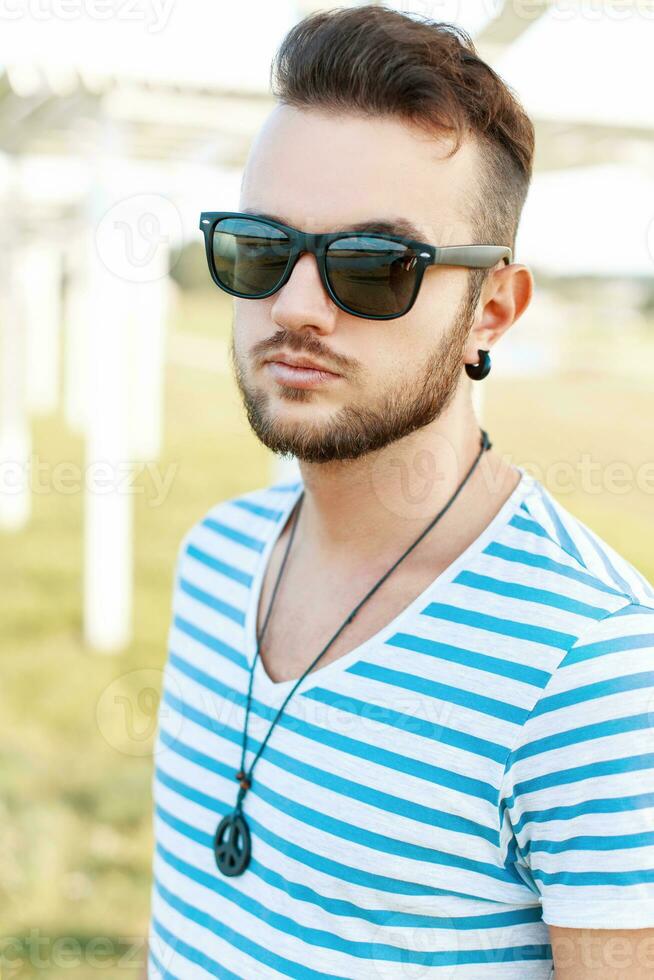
(473, 256)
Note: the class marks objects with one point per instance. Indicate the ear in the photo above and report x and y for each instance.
(505, 296)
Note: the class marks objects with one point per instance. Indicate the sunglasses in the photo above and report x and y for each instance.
(366, 274)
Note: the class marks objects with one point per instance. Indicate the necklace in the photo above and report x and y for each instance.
(232, 841)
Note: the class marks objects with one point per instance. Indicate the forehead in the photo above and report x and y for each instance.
(324, 171)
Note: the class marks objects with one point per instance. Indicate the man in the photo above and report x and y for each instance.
(458, 782)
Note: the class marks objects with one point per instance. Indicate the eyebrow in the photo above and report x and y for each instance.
(395, 226)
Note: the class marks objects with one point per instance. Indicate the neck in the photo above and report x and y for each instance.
(356, 512)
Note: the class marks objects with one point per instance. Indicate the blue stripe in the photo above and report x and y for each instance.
(376, 951)
(181, 826)
(599, 689)
(266, 512)
(564, 538)
(335, 826)
(527, 593)
(230, 571)
(604, 558)
(585, 733)
(616, 644)
(419, 768)
(398, 805)
(212, 642)
(218, 687)
(158, 965)
(255, 544)
(469, 658)
(280, 963)
(189, 952)
(587, 842)
(514, 857)
(383, 715)
(527, 524)
(237, 615)
(610, 767)
(634, 608)
(275, 920)
(346, 787)
(612, 804)
(209, 763)
(622, 879)
(342, 907)
(534, 560)
(494, 624)
(284, 487)
(327, 866)
(434, 689)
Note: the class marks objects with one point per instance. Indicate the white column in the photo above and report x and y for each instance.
(76, 315)
(15, 436)
(108, 501)
(40, 282)
(149, 309)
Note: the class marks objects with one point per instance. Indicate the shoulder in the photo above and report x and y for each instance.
(599, 613)
(597, 705)
(557, 543)
(238, 526)
(619, 645)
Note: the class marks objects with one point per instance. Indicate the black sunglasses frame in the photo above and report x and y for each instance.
(470, 256)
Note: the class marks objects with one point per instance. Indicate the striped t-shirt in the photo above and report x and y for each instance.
(481, 767)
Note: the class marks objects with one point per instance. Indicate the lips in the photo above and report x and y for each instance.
(301, 362)
(300, 377)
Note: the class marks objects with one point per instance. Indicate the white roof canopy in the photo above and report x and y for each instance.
(591, 64)
(160, 42)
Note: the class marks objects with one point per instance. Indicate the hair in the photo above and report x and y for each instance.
(372, 60)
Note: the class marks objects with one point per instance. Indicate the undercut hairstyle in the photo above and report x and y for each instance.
(375, 61)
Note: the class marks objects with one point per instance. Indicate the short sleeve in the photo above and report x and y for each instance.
(576, 804)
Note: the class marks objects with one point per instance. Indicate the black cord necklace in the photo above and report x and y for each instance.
(232, 842)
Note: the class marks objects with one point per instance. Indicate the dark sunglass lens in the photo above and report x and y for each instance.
(249, 256)
(373, 276)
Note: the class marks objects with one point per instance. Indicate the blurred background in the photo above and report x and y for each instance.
(120, 423)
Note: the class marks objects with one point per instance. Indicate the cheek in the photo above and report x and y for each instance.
(441, 292)
(252, 324)
(405, 344)
(388, 353)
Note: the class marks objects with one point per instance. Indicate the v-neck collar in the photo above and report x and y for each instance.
(274, 692)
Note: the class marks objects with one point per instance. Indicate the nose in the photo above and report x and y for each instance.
(303, 300)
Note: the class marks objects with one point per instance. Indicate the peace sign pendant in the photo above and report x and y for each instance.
(232, 845)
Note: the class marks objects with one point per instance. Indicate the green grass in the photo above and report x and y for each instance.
(75, 806)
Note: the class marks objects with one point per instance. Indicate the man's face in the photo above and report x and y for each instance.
(317, 173)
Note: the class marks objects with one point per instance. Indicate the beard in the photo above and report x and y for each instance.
(355, 430)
